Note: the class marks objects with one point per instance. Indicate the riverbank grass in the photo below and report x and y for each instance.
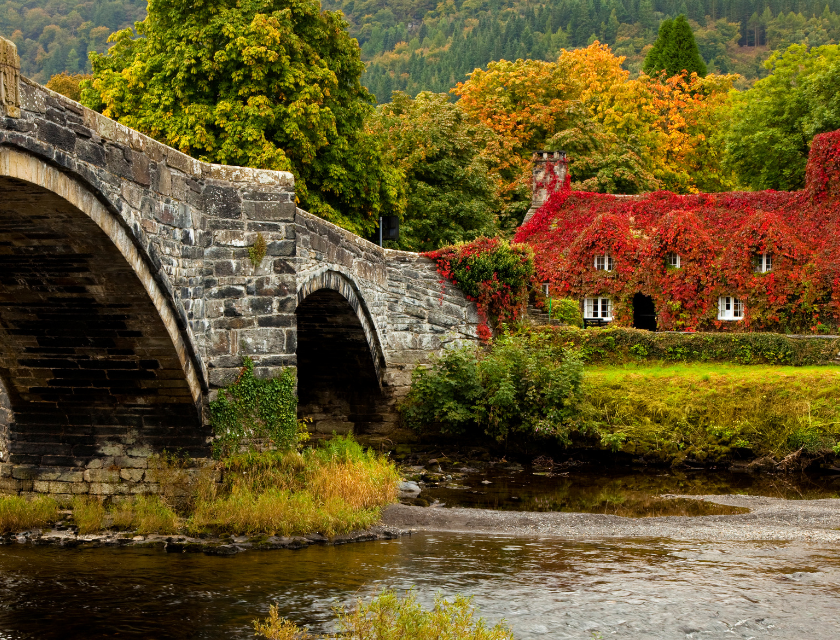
(389, 616)
(711, 411)
(20, 514)
(335, 488)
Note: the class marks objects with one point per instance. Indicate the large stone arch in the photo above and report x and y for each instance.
(28, 168)
(339, 356)
(93, 359)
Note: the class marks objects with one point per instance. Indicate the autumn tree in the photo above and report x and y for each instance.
(272, 84)
(451, 196)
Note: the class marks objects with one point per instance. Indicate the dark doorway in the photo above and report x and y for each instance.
(338, 385)
(644, 313)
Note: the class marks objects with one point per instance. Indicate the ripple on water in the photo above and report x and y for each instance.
(544, 588)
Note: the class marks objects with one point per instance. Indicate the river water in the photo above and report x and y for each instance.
(545, 588)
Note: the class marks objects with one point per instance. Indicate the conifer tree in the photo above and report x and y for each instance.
(675, 50)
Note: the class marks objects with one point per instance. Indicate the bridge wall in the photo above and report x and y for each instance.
(178, 231)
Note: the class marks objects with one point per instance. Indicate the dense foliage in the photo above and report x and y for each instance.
(623, 134)
(674, 51)
(254, 409)
(772, 124)
(491, 272)
(522, 386)
(442, 154)
(272, 84)
(717, 236)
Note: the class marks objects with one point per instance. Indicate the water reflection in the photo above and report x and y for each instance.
(624, 492)
(545, 588)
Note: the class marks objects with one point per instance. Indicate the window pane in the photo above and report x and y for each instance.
(599, 263)
(768, 262)
(609, 263)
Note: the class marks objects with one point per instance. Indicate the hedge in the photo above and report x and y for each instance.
(615, 345)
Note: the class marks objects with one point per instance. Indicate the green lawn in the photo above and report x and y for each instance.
(713, 411)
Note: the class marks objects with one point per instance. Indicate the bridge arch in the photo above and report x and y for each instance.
(339, 355)
(92, 354)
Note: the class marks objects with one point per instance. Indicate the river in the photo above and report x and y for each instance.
(544, 588)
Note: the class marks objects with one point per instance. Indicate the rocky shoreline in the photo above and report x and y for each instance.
(217, 546)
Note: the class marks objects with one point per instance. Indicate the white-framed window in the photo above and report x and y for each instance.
(730, 308)
(597, 308)
(763, 262)
(604, 262)
(672, 260)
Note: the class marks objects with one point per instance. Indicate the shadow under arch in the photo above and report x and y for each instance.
(91, 352)
(339, 356)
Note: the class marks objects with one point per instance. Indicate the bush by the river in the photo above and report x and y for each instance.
(521, 386)
(389, 617)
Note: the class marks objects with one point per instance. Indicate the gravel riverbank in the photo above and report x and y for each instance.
(769, 519)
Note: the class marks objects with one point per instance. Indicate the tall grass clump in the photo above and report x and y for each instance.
(88, 514)
(18, 514)
(389, 617)
(336, 488)
(144, 515)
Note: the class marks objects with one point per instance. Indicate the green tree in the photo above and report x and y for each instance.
(772, 124)
(451, 196)
(675, 50)
(273, 84)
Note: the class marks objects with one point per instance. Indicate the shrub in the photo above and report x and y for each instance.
(521, 384)
(566, 311)
(253, 409)
(491, 272)
(17, 514)
(388, 617)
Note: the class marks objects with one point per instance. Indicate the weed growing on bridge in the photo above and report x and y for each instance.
(18, 514)
(389, 616)
(253, 409)
(257, 250)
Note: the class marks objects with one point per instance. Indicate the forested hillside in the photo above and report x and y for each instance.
(423, 45)
(55, 35)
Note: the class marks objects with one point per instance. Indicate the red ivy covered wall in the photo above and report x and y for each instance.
(717, 236)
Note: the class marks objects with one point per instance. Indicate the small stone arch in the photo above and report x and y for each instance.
(37, 171)
(340, 283)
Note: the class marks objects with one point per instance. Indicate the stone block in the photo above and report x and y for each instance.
(132, 475)
(101, 475)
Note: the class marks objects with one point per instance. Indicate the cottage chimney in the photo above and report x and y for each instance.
(9, 80)
(550, 170)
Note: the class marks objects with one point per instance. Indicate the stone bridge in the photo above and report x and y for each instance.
(127, 296)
